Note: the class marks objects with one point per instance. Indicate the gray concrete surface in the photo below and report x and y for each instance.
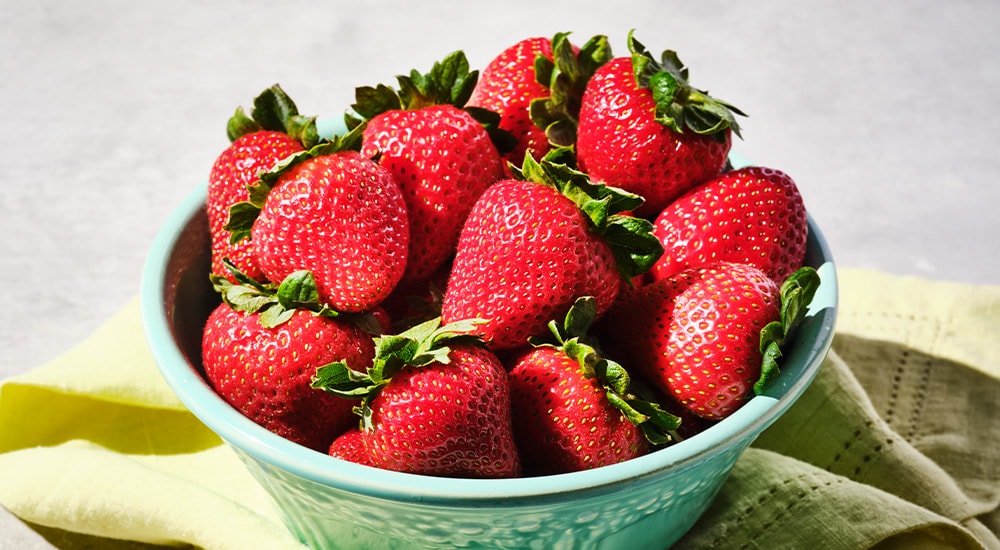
(111, 111)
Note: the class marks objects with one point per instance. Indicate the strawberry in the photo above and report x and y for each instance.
(274, 131)
(572, 407)
(710, 336)
(643, 128)
(332, 212)
(351, 446)
(536, 86)
(752, 216)
(440, 156)
(261, 347)
(531, 246)
(434, 402)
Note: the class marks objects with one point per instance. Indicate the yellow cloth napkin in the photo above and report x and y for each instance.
(96, 443)
(895, 445)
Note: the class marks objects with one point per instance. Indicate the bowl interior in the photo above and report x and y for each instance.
(177, 298)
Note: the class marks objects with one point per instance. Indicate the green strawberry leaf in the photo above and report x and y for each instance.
(564, 156)
(275, 303)
(593, 54)
(665, 88)
(657, 425)
(679, 106)
(633, 244)
(613, 376)
(247, 295)
(338, 378)
(240, 221)
(341, 380)
(243, 278)
(298, 290)
(544, 69)
(419, 346)
(242, 215)
(303, 129)
(240, 125)
(580, 317)
(392, 353)
(372, 101)
(631, 239)
(449, 82)
(275, 315)
(797, 292)
(273, 108)
(596, 200)
(241, 298)
(503, 140)
(566, 76)
(630, 412)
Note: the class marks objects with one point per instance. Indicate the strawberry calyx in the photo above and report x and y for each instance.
(680, 106)
(571, 336)
(449, 82)
(418, 346)
(797, 292)
(631, 239)
(243, 214)
(566, 76)
(275, 111)
(276, 303)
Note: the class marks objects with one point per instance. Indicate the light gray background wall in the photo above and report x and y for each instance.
(111, 111)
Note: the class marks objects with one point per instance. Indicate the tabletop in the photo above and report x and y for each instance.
(112, 111)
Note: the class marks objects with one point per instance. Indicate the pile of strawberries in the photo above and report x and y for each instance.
(543, 268)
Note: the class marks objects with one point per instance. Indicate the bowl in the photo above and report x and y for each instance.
(648, 501)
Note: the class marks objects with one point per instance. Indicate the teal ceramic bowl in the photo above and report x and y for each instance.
(642, 503)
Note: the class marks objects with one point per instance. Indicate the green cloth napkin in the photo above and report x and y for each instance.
(895, 445)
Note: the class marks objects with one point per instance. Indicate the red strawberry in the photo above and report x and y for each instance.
(572, 407)
(699, 334)
(752, 216)
(435, 402)
(645, 129)
(351, 446)
(536, 85)
(528, 250)
(334, 213)
(261, 347)
(440, 156)
(272, 132)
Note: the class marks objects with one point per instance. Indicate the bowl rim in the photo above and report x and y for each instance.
(260, 444)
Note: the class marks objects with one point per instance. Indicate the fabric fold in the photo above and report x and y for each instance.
(154, 499)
